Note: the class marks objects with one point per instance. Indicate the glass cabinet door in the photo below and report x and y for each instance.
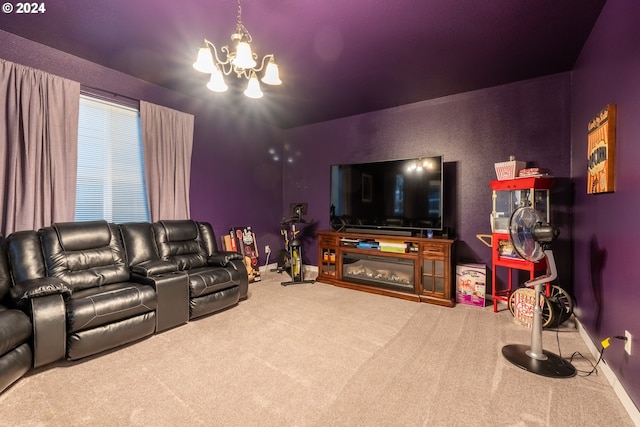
(328, 264)
(433, 276)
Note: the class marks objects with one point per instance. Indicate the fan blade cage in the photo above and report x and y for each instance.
(522, 229)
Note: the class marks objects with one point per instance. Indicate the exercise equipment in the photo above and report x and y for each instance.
(531, 237)
(290, 259)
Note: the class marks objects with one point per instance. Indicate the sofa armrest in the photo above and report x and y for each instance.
(222, 259)
(172, 289)
(44, 299)
(23, 292)
(154, 267)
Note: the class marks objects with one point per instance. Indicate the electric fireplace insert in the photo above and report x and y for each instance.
(382, 271)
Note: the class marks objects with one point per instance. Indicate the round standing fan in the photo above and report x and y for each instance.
(531, 238)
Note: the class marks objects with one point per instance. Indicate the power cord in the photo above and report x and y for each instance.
(605, 343)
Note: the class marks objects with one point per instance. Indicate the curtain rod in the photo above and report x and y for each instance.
(109, 96)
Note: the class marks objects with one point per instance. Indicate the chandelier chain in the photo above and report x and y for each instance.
(240, 28)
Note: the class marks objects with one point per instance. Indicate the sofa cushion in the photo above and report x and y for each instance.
(179, 230)
(206, 280)
(78, 236)
(139, 242)
(216, 301)
(91, 341)
(105, 304)
(25, 255)
(180, 241)
(5, 277)
(208, 239)
(187, 260)
(15, 329)
(14, 365)
(74, 254)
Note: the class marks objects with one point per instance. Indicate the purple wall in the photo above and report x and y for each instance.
(606, 239)
(234, 181)
(473, 130)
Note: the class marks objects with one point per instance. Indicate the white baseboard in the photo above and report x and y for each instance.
(619, 390)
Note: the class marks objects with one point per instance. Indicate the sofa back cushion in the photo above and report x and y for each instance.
(25, 256)
(84, 254)
(208, 238)
(181, 242)
(5, 278)
(139, 242)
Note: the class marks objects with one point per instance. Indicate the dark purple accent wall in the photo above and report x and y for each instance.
(472, 130)
(236, 176)
(235, 180)
(247, 173)
(606, 238)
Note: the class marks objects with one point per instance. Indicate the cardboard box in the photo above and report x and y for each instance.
(509, 170)
(524, 301)
(471, 282)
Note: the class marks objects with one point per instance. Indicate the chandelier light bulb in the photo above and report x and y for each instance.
(271, 74)
(253, 88)
(204, 63)
(244, 57)
(216, 83)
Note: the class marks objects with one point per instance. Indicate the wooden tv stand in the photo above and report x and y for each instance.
(412, 268)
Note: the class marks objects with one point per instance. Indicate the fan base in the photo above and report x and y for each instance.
(554, 366)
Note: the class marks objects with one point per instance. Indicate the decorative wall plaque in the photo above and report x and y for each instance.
(601, 152)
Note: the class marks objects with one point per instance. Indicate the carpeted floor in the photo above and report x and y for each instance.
(318, 355)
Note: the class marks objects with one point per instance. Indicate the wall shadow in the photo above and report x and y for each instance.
(597, 262)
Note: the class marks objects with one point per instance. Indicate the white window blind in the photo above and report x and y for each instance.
(110, 183)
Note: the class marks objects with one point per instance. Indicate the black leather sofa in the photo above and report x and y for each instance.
(87, 287)
(216, 279)
(16, 356)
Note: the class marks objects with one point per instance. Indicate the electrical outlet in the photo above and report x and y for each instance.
(267, 249)
(627, 343)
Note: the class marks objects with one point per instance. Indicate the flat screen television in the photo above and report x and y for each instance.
(395, 196)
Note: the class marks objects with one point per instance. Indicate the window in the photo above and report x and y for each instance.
(110, 183)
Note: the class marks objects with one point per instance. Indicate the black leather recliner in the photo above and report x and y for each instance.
(217, 279)
(105, 309)
(16, 356)
(146, 266)
(80, 290)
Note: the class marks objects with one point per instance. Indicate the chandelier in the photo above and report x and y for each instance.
(241, 61)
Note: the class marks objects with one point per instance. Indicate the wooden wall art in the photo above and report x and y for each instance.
(602, 152)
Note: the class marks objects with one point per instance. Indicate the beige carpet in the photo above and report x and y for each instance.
(318, 355)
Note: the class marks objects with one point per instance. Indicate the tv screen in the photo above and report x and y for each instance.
(388, 195)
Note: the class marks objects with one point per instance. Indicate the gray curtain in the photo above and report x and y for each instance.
(167, 140)
(38, 147)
